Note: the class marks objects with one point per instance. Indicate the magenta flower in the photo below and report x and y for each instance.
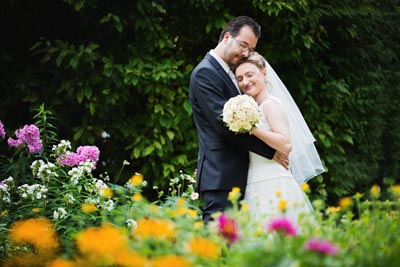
(228, 228)
(282, 225)
(2, 131)
(83, 153)
(321, 246)
(29, 135)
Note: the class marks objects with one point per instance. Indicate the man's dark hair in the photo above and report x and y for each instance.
(235, 25)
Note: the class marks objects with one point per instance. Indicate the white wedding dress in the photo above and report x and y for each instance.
(268, 183)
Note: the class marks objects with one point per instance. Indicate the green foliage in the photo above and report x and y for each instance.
(116, 75)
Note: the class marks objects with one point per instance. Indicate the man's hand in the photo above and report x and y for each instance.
(282, 158)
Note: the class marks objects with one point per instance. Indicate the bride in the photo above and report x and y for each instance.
(271, 189)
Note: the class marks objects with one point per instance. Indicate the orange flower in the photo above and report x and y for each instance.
(39, 232)
(60, 263)
(204, 248)
(102, 243)
(155, 228)
(130, 258)
(171, 261)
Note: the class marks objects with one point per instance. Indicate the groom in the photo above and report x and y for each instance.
(223, 156)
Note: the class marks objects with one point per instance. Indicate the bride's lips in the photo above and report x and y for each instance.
(248, 87)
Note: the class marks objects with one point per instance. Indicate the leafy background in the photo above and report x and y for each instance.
(123, 67)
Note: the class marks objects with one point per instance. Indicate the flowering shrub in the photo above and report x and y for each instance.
(64, 215)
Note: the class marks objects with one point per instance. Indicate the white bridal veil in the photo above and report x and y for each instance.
(305, 162)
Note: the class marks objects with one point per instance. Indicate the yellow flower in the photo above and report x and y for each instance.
(137, 197)
(180, 202)
(198, 225)
(244, 207)
(375, 191)
(234, 195)
(155, 228)
(171, 261)
(358, 195)
(154, 209)
(106, 192)
(136, 179)
(38, 232)
(395, 190)
(333, 209)
(204, 248)
(184, 211)
(345, 202)
(102, 244)
(278, 193)
(282, 204)
(305, 187)
(88, 207)
(36, 210)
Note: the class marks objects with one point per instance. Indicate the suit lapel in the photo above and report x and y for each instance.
(232, 88)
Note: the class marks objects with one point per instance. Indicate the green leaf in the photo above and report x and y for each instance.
(148, 150)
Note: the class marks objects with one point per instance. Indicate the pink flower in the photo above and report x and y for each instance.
(2, 131)
(83, 153)
(282, 225)
(228, 228)
(29, 135)
(321, 246)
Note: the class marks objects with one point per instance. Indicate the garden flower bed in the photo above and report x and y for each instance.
(60, 215)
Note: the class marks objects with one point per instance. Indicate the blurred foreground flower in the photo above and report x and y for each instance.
(282, 225)
(228, 228)
(321, 246)
(38, 232)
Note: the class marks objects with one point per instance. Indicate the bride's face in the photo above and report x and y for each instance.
(250, 79)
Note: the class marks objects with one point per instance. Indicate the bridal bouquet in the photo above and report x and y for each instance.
(240, 113)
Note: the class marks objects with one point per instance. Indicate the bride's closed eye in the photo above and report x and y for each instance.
(247, 75)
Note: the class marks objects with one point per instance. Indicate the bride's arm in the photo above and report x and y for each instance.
(279, 137)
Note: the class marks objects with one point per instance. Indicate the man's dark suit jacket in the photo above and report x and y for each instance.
(223, 155)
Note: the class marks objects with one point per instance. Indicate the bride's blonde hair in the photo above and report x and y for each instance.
(260, 62)
(256, 59)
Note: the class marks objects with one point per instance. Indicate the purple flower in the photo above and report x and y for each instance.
(2, 131)
(321, 246)
(29, 135)
(282, 225)
(228, 228)
(83, 153)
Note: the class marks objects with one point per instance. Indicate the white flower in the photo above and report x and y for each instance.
(131, 223)
(194, 196)
(60, 213)
(240, 113)
(69, 198)
(105, 135)
(108, 205)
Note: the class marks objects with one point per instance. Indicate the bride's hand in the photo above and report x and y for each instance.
(282, 158)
